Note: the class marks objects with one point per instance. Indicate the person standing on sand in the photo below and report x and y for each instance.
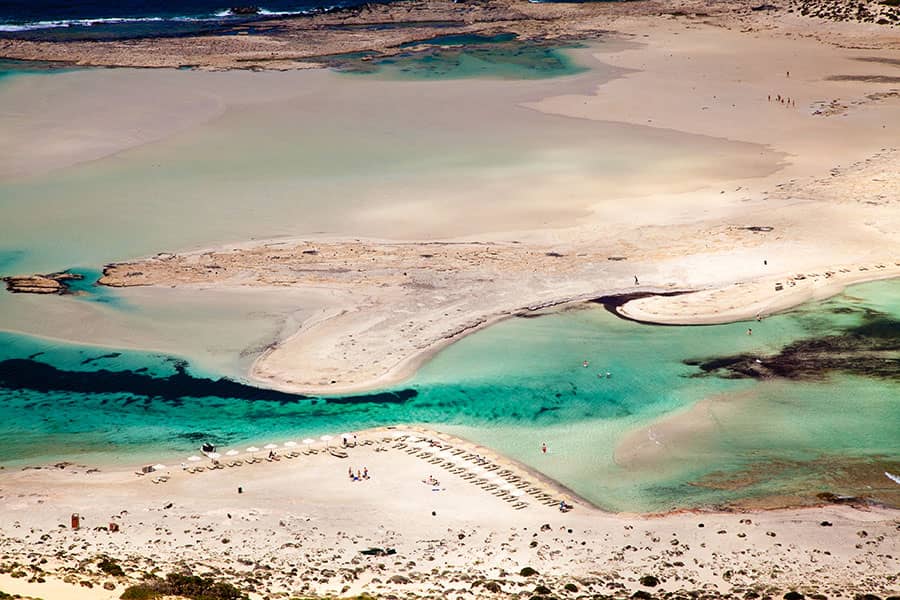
(636, 280)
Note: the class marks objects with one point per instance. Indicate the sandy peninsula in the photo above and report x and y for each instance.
(484, 527)
(827, 218)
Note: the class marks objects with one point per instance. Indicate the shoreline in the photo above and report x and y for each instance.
(388, 315)
(303, 511)
(308, 40)
(749, 300)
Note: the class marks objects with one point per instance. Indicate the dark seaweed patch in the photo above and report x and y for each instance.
(26, 374)
(870, 349)
(398, 397)
(92, 359)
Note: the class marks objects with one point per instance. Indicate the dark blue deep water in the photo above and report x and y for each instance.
(98, 19)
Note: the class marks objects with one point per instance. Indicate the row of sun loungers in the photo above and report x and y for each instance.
(492, 486)
(255, 459)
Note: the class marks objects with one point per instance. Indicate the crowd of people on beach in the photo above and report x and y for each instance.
(359, 475)
(784, 100)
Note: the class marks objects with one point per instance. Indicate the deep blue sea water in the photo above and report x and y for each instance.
(99, 19)
(133, 18)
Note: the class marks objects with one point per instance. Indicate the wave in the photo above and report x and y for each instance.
(222, 14)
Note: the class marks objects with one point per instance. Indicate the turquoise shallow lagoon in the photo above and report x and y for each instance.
(501, 56)
(512, 387)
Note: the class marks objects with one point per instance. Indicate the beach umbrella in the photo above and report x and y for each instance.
(477, 469)
(508, 487)
(309, 441)
(252, 449)
(492, 476)
(232, 453)
(159, 467)
(326, 439)
(270, 446)
(290, 444)
(194, 458)
(214, 455)
(398, 434)
(517, 493)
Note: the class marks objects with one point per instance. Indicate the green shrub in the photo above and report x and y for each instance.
(110, 567)
(187, 585)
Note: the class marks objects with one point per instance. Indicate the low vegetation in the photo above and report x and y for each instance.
(189, 586)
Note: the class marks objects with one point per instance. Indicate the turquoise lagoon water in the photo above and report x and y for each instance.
(510, 387)
(501, 56)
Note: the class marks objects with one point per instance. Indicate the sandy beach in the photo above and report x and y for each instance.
(750, 164)
(394, 305)
(298, 526)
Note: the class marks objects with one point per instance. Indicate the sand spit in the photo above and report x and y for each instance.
(394, 304)
(747, 300)
(298, 526)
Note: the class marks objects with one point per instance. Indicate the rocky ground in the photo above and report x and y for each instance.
(881, 12)
(311, 41)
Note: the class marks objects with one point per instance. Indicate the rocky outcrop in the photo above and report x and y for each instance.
(244, 10)
(52, 283)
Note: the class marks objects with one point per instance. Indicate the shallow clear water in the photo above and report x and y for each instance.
(501, 56)
(803, 435)
(289, 168)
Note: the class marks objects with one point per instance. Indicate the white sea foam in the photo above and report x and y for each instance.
(76, 23)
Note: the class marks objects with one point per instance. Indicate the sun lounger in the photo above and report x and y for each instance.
(520, 505)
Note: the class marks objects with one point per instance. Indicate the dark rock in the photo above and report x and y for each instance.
(527, 572)
(649, 581)
(52, 283)
(793, 596)
(244, 10)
